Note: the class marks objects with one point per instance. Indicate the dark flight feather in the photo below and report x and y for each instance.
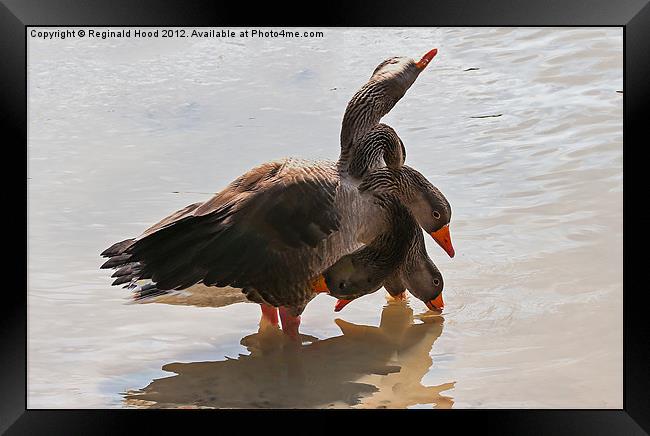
(240, 236)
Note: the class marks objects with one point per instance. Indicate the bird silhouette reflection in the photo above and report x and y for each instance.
(378, 367)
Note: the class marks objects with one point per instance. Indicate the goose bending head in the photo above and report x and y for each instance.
(422, 279)
(351, 280)
(428, 205)
(378, 147)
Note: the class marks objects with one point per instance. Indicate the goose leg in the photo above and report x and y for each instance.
(290, 323)
(269, 315)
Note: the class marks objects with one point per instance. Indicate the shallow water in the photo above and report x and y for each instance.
(520, 128)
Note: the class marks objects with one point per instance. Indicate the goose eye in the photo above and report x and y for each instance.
(436, 282)
(436, 214)
(342, 285)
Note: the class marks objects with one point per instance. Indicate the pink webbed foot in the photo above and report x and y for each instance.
(290, 323)
(269, 315)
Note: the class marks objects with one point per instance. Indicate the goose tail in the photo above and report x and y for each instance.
(147, 293)
(119, 258)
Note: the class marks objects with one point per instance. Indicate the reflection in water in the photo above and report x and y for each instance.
(364, 367)
(200, 295)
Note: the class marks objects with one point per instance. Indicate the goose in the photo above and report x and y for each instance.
(396, 259)
(271, 230)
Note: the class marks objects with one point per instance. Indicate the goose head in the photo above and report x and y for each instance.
(428, 205)
(352, 277)
(424, 281)
(397, 74)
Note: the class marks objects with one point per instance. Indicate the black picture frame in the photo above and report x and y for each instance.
(15, 15)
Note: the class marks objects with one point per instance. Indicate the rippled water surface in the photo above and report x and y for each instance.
(520, 128)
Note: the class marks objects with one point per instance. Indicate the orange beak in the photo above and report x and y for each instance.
(437, 303)
(340, 304)
(443, 238)
(318, 284)
(426, 59)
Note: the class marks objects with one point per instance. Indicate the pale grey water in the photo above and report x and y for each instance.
(124, 131)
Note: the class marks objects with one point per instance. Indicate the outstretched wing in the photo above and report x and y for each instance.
(242, 235)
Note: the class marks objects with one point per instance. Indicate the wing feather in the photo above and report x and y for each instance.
(250, 234)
